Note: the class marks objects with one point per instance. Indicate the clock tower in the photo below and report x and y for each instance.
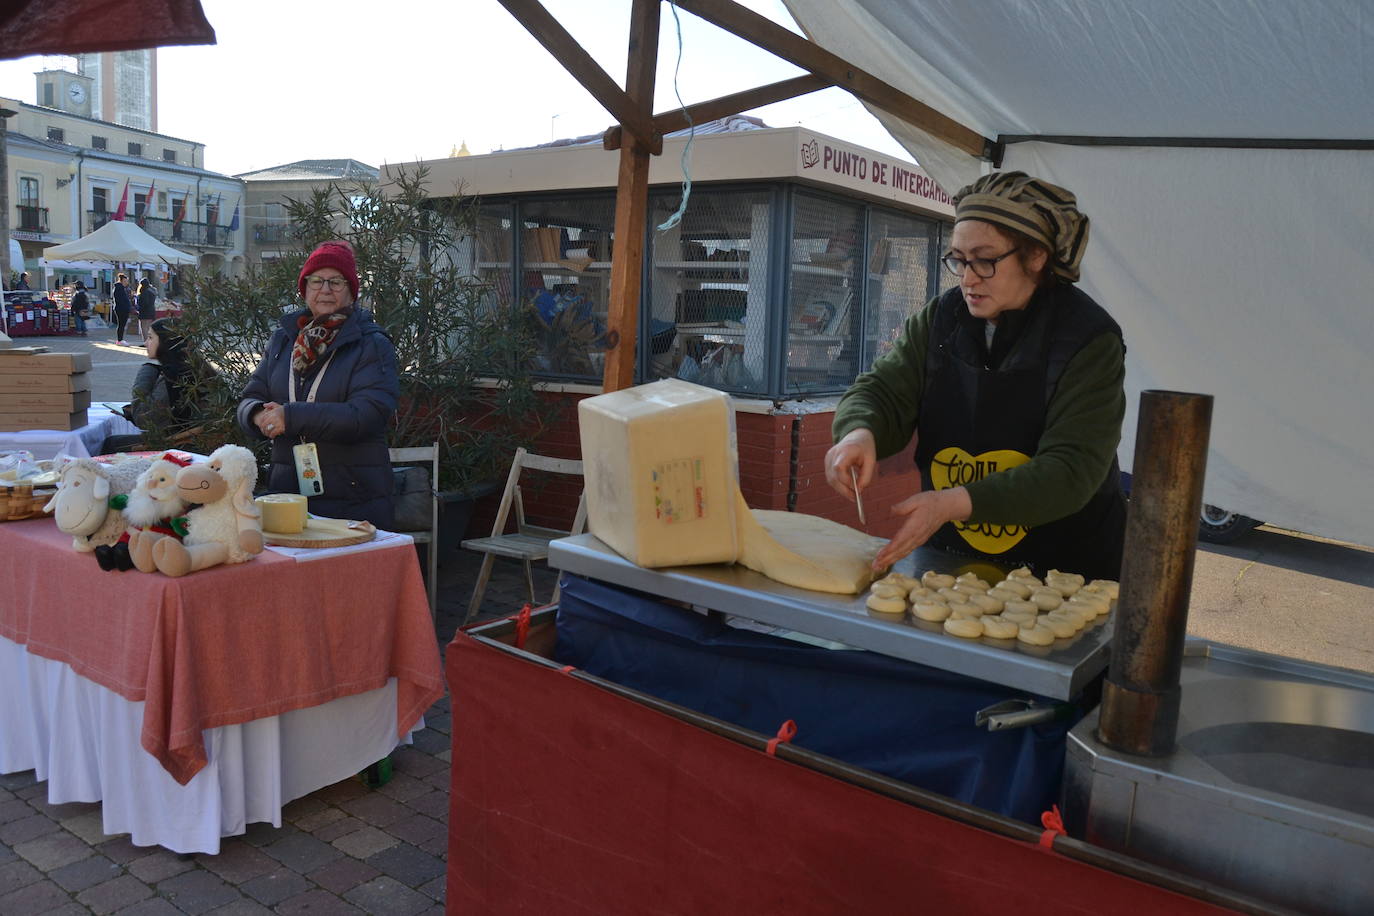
(67, 91)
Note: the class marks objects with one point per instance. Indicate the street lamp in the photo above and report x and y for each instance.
(71, 176)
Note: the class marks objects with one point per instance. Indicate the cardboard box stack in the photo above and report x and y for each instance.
(43, 390)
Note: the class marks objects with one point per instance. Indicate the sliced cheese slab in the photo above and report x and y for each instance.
(806, 551)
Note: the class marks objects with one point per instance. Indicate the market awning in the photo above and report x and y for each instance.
(121, 242)
(70, 27)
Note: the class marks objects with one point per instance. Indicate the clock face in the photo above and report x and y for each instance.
(77, 92)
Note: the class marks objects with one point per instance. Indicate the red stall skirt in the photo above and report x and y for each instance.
(570, 799)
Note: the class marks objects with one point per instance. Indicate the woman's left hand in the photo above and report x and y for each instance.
(271, 420)
(925, 512)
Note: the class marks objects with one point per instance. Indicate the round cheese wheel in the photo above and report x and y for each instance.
(282, 513)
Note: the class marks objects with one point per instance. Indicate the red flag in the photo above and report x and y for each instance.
(147, 203)
(123, 207)
(181, 214)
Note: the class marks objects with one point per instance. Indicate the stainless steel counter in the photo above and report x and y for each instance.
(1058, 671)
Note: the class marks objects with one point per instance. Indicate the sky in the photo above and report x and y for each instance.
(287, 81)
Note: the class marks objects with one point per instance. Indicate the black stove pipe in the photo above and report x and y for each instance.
(1140, 699)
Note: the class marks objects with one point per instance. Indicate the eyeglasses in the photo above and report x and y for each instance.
(982, 267)
(317, 283)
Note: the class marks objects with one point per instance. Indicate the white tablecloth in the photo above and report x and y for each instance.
(84, 740)
(101, 421)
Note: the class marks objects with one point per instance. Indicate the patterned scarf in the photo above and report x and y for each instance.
(315, 336)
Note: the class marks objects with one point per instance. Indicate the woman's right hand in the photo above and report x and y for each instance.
(856, 450)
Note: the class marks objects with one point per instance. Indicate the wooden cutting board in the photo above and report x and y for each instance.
(324, 532)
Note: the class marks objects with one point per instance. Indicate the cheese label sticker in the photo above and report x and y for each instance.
(954, 467)
(679, 490)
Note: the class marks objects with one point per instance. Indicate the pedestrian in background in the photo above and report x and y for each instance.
(81, 307)
(147, 307)
(23, 281)
(123, 305)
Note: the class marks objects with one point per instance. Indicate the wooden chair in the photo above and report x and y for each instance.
(426, 454)
(528, 542)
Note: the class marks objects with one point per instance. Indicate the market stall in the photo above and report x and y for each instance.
(193, 706)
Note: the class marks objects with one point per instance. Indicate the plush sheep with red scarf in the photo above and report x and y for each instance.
(226, 526)
(155, 509)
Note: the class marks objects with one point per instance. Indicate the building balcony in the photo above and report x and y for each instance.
(32, 219)
(185, 233)
(272, 233)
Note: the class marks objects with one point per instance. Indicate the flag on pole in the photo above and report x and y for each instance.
(123, 209)
(234, 223)
(147, 203)
(181, 213)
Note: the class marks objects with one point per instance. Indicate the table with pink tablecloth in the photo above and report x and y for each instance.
(227, 645)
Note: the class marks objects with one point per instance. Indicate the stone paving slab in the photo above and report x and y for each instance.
(341, 850)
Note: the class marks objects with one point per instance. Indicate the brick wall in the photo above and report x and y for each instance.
(781, 466)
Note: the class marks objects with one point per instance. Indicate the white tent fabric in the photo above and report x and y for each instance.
(1246, 274)
(118, 241)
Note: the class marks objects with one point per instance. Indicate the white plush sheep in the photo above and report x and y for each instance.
(154, 506)
(227, 527)
(89, 499)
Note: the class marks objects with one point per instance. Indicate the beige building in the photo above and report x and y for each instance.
(69, 171)
(267, 223)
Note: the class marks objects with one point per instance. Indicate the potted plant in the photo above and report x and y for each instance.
(466, 377)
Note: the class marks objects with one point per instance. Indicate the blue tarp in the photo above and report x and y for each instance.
(907, 721)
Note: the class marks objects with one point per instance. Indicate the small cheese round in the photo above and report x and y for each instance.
(1021, 572)
(932, 579)
(1022, 589)
(1003, 594)
(969, 578)
(965, 627)
(906, 583)
(1056, 574)
(886, 605)
(1000, 627)
(1036, 635)
(1062, 627)
(1020, 607)
(887, 590)
(1107, 586)
(965, 610)
(987, 603)
(921, 593)
(930, 610)
(1046, 599)
(952, 596)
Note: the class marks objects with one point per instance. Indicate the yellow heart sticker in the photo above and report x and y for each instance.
(954, 467)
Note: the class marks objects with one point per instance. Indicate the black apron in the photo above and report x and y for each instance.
(984, 412)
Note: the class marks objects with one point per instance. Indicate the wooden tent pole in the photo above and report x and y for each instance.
(631, 202)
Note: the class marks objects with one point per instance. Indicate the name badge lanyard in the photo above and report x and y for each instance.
(309, 476)
(314, 386)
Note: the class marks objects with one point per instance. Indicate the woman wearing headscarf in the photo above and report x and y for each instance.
(329, 378)
(1013, 385)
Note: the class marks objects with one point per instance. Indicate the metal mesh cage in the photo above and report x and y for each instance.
(900, 253)
(709, 289)
(823, 303)
(565, 281)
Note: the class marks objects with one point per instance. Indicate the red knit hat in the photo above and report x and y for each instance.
(338, 255)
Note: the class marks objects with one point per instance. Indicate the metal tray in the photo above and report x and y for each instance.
(1058, 671)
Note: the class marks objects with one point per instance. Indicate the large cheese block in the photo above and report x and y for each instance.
(661, 473)
(807, 551)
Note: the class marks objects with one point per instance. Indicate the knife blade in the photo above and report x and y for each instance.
(858, 498)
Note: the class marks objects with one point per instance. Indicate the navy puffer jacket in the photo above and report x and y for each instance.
(347, 421)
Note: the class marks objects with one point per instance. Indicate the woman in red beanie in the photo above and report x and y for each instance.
(328, 378)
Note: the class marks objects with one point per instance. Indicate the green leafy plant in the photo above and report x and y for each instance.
(465, 372)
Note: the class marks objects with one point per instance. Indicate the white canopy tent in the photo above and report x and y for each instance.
(1224, 152)
(120, 242)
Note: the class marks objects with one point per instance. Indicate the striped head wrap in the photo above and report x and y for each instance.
(1045, 212)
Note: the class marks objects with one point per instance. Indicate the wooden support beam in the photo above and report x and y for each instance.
(565, 49)
(631, 202)
(813, 58)
(669, 121)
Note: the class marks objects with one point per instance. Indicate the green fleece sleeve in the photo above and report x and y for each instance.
(887, 398)
(1074, 454)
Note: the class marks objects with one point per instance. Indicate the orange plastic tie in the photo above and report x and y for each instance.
(786, 733)
(1054, 826)
(522, 626)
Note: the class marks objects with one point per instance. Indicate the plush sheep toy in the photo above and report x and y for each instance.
(227, 526)
(156, 509)
(88, 503)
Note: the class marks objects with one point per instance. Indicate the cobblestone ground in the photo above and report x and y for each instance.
(343, 849)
